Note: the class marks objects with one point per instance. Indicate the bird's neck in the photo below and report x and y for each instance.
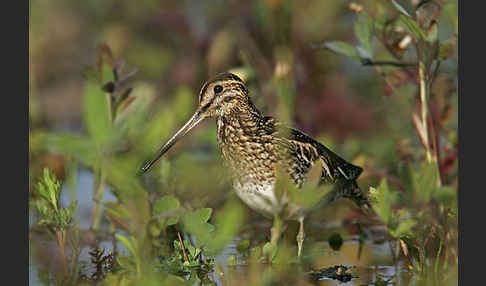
(242, 121)
(238, 136)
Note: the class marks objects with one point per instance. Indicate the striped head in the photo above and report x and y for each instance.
(220, 96)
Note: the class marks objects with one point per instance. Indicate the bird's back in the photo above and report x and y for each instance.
(304, 151)
(254, 154)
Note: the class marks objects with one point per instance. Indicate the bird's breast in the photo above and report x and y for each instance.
(247, 155)
(259, 197)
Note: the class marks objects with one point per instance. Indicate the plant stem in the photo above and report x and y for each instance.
(182, 246)
(98, 195)
(423, 85)
(431, 150)
(60, 243)
(276, 229)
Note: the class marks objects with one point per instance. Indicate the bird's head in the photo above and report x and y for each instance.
(219, 97)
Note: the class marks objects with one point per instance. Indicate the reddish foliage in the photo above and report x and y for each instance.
(446, 164)
(335, 112)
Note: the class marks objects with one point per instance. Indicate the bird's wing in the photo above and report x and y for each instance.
(308, 150)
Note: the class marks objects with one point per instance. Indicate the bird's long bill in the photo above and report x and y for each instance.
(193, 121)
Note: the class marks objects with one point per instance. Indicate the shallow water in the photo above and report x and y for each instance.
(376, 255)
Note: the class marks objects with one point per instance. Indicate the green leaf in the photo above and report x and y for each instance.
(79, 147)
(363, 28)
(413, 27)
(96, 114)
(107, 73)
(116, 209)
(194, 222)
(126, 262)
(446, 195)
(164, 206)
(204, 214)
(190, 248)
(198, 251)
(127, 243)
(406, 175)
(117, 214)
(133, 111)
(344, 49)
(284, 185)
(404, 228)
(256, 252)
(433, 35)
(177, 245)
(400, 8)
(383, 200)
(425, 182)
(410, 23)
(49, 188)
(243, 246)
(231, 260)
(270, 250)
(227, 222)
(121, 172)
(155, 228)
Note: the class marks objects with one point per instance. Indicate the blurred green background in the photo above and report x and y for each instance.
(362, 112)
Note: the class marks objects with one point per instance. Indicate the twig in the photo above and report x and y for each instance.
(182, 246)
(369, 62)
(403, 245)
(419, 129)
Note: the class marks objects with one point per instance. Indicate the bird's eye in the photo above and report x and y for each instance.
(218, 89)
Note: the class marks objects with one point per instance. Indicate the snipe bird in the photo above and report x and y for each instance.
(254, 145)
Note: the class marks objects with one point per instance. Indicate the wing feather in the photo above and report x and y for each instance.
(310, 150)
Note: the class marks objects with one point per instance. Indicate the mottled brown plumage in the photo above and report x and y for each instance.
(255, 146)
